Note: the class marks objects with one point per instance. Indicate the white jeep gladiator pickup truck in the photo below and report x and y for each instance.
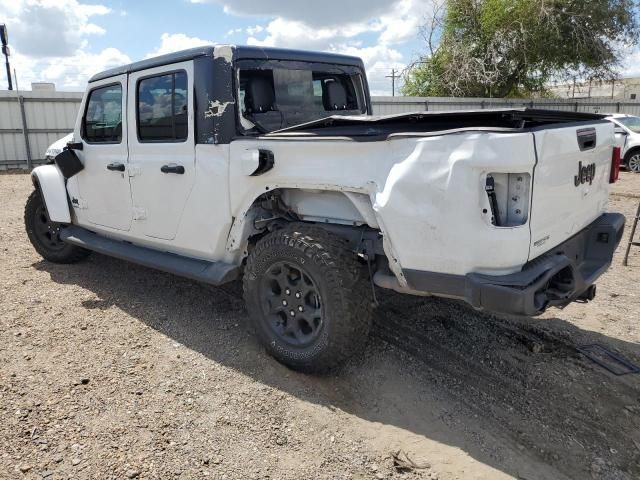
(227, 161)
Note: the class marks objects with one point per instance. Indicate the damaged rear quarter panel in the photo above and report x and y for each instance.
(427, 193)
(433, 200)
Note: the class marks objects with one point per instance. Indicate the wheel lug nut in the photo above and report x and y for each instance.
(287, 291)
(300, 308)
(292, 313)
(285, 303)
(298, 295)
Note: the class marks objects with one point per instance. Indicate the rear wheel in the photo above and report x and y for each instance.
(44, 234)
(307, 298)
(633, 162)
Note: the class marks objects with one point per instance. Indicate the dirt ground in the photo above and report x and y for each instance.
(110, 371)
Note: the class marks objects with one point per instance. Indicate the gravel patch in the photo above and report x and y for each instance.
(109, 370)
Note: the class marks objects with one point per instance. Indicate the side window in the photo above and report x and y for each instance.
(103, 118)
(162, 108)
(339, 93)
(317, 88)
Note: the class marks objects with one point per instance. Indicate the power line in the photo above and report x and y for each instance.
(4, 38)
(393, 77)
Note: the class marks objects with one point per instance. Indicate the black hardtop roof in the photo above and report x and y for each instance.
(239, 52)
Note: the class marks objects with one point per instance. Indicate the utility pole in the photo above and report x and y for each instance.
(393, 77)
(4, 38)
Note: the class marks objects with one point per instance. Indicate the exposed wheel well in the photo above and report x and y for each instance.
(345, 214)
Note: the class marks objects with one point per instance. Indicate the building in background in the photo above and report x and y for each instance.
(621, 89)
(43, 87)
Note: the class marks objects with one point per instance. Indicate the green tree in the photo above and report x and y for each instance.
(500, 48)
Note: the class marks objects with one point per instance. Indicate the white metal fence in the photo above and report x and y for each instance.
(31, 121)
(390, 105)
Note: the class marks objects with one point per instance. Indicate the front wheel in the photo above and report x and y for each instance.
(44, 234)
(633, 162)
(307, 297)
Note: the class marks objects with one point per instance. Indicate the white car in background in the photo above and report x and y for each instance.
(628, 135)
(56, 147)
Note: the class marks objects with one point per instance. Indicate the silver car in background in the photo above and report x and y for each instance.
(56, 147)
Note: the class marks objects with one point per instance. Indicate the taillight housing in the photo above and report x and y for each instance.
(508, 197)
(616, 158)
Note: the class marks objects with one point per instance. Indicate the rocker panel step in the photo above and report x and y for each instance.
(213, 273)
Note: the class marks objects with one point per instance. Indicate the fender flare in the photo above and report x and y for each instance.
(48, 179)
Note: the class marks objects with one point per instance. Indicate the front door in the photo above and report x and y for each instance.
(161, 146)
(103, 185)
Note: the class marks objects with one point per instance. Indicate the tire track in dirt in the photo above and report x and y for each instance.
(498, 370)
(515, 376)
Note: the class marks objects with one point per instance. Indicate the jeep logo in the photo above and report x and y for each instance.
(585, 174)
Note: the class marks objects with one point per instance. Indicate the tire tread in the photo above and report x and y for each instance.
(69, 254)
(344, 279)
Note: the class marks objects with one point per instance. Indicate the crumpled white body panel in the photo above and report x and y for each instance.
(433, 200)
(427, 192)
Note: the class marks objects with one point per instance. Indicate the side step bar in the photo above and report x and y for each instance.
(213, 273)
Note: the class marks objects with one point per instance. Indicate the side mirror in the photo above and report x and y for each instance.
(69, 163)
(75, 145)
(620, 131)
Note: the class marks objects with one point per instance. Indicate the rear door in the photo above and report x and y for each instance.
(103, 185)
(161, 146)
(571, 181)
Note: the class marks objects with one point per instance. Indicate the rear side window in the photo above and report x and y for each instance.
(162, 108)
(279, 97)
(280, 89)
(103, 118)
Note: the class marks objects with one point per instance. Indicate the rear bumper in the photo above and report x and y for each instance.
(564, 274)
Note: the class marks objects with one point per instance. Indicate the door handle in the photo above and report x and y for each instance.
(172, 168)
(116, 167)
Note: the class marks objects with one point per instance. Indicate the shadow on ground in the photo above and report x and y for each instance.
(503, 390)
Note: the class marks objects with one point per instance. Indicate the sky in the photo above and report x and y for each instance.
(67, 41)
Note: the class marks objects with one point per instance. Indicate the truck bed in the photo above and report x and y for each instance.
(377, 127)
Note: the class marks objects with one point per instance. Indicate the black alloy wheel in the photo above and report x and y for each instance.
(291, 304)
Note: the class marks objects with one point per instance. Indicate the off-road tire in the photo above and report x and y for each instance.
(50, 247)
(344, 296)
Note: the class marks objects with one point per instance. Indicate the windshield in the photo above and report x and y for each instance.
(632, 123)
(275, 95)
